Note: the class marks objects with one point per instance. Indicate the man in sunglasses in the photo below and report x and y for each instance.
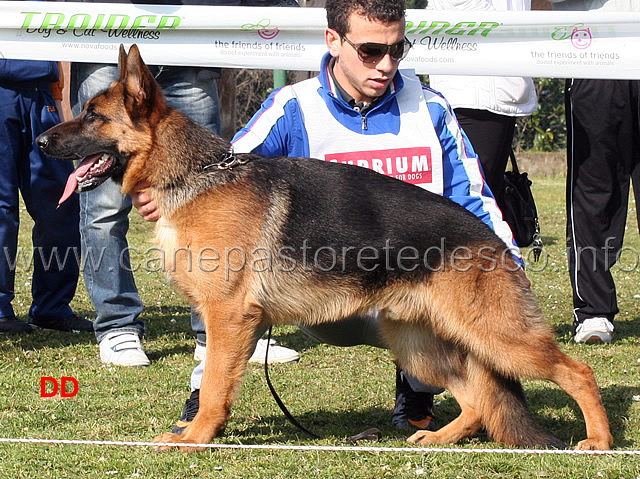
(361, 109)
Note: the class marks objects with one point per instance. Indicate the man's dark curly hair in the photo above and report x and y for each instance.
(385, 11)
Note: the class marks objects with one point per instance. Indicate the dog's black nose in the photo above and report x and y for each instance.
(43, 141)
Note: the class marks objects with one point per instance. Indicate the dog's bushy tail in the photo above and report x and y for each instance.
(506, 416)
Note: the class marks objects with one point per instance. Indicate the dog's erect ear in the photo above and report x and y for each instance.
(141, 89)
(122, 62)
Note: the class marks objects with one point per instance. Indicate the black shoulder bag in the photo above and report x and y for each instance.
(519, 209)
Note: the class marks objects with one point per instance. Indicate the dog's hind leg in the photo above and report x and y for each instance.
(578, 381)
(535, 355)
(230, 337)
(490, 400)
(436, 361)
(522, 346)
(540, 358)
(504, 410)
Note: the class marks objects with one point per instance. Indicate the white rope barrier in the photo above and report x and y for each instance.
(291, 447)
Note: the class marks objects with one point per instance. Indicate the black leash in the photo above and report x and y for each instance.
(283, 408)
(372, 434)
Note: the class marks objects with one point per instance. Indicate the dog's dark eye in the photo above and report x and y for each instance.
(92, 115)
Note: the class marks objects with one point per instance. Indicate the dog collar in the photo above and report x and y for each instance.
(229, 161)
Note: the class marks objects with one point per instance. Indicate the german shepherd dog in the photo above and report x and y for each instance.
(328, 241)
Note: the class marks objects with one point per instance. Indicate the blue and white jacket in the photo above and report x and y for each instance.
(411, 134)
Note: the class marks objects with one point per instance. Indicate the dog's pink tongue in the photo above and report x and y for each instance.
(72, 181)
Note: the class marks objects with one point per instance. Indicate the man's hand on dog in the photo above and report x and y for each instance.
(142, 201)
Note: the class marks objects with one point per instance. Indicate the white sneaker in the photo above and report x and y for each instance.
(594, 330)
(123, 348)
(277, 354)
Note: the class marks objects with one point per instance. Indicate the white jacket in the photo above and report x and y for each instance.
(511, 96)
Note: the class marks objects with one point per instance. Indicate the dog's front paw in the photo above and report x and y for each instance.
(424, 438)
(171, 438)
(595, 444)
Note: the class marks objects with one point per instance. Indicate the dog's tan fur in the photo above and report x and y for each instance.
(473, 332)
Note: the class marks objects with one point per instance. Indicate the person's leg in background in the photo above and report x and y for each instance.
(27, 110)
(491, 136)
(600, 149)
(10, 150)
(104, 222)
(55, 233)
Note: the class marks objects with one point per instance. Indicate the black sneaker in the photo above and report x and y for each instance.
(70, 324)
(414, 410)
(188, 412)
(12, 325)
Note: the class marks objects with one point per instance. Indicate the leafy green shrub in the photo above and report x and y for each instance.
(545, 130)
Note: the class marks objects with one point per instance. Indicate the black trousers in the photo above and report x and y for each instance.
(603, 156)
(491, 136)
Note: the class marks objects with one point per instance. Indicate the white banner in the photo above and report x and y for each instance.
(538, 44)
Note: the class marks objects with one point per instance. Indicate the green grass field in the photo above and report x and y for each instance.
(335, 392)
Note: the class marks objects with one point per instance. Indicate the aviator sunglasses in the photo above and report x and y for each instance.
(371, 52)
